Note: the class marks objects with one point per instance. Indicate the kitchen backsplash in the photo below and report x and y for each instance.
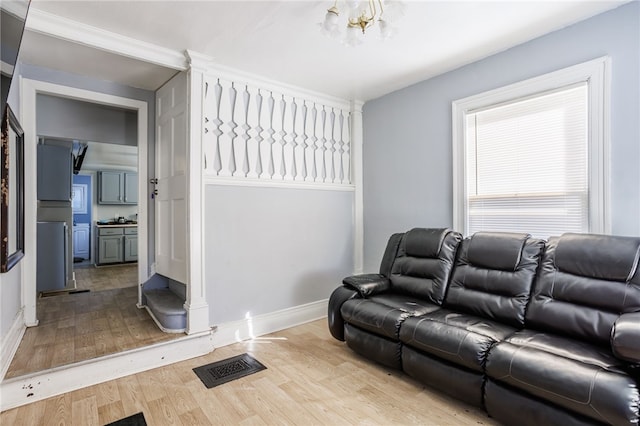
(106, 212)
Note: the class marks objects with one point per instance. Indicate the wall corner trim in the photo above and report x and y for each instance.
(357, 157)
(356, 105)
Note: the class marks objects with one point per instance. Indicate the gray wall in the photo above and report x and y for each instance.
(269, 249)
(73, 119)
(407, 134)
(10, 298)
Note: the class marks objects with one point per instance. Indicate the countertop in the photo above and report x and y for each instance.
(119, 225)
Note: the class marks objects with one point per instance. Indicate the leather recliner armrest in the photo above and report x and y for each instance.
(625, 337)
(334, 317)
(367, 284)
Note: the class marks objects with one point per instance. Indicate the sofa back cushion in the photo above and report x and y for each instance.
(585, 282)
(424, 261)
(390, 254)
(499, 251)
(494, 275)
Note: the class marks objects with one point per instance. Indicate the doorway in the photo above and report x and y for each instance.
(29, 91)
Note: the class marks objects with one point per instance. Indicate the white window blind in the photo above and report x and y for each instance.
(527, 164)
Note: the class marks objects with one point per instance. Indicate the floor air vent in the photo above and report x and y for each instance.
(229, 369)
(134, 420)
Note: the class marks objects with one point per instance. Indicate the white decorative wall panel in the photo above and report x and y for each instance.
(258, 134)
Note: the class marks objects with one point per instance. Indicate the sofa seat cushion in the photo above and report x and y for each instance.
(375, 347)
(459, 338)
(511, 406)
(572, 374)
(409, 304)
(383, 314)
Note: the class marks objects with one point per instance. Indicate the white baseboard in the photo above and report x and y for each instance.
(251, 327)
(11, 342)
(38, 386)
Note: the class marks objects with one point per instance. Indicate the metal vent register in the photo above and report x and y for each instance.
(229, 369)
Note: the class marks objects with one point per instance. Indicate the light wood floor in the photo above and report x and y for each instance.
(81, 326)
(311, 379)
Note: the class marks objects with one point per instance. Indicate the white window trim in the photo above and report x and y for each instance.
(597, 72)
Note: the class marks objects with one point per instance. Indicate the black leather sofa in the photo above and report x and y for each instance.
(536, 332)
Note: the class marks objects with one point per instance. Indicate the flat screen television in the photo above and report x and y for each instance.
(13, 14)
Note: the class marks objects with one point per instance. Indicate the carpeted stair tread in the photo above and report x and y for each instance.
(164, 301)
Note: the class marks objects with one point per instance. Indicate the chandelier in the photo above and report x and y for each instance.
(361, 15)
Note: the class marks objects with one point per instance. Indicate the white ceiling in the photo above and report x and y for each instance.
(281, 40)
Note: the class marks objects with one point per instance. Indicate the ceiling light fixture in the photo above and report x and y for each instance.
(362, 15)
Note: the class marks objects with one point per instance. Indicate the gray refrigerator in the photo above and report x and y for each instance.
(55, 217)
(53, 242)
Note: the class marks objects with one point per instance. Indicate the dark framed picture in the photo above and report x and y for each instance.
(12, 188)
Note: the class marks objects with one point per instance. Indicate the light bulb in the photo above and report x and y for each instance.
(386, 31)
(353, 4)
(330, 19)
(394, 9)
(354, 36)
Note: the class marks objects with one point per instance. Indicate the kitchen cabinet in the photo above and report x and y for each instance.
(110, 245)
(110, 187)
(117, 244)
(81, 240)
(115, 187)
(130, 188)
(109, 250)
(130, 246)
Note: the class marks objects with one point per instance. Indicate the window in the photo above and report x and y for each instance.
(526, 165)
(531, 157)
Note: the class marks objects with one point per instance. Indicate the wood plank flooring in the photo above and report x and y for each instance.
(311, 379)
(77, 327)
(106, 277)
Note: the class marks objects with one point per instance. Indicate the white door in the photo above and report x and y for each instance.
(171, 169)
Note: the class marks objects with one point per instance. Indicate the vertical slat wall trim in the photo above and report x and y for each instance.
(257, 134)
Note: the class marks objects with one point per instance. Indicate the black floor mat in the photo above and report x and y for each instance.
(227, 370)
(135, 420)
(63, 292)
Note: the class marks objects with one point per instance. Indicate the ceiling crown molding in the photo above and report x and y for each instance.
(197, 60)
(77, 32)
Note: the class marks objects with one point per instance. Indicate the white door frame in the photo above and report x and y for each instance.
(28, 91)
